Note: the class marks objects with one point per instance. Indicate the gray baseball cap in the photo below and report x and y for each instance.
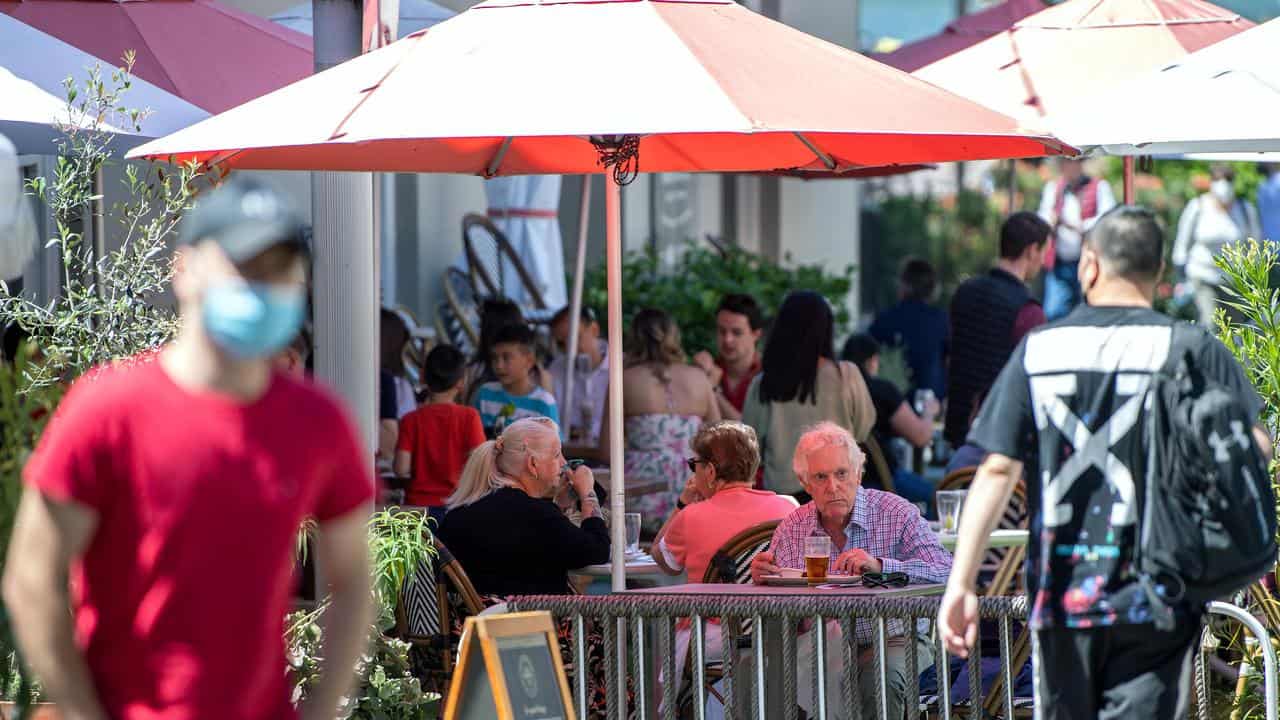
(245, 218)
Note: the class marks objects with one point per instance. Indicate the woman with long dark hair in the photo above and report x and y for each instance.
(802, 384)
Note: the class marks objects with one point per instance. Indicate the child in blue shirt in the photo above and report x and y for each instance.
(515, 395)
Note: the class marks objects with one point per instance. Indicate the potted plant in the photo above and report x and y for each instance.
(400, 546)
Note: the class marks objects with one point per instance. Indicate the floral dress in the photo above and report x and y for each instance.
(657, 446)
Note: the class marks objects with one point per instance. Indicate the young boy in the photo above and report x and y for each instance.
(436, 439)
(515, 395)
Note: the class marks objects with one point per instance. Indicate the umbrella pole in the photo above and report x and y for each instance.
(617, 483)
(575, 304)
(1013, 184)
(1128, 180)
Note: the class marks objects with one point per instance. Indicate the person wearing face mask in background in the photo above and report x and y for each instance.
(1210, 222)
(169, 488)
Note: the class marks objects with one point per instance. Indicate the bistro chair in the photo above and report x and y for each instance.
(730, 564)
(1005, 567)
(430, 615)
(458, 317)
(490, 257)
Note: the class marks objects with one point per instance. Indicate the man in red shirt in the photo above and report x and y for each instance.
(169, 488)
(437, 438)
(739, 325)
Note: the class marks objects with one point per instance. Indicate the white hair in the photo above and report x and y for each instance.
(822, 436)
(498, 463)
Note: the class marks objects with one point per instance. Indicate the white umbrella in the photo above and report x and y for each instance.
(1224, 98)
(33, 66)
(30, 117)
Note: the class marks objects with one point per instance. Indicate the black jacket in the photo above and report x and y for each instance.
(512, 544)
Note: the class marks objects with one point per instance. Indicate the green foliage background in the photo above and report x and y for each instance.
(692, 289)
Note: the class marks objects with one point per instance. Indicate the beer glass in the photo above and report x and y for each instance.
(817, 555)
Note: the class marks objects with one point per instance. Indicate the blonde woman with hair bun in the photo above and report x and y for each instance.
(503, 525)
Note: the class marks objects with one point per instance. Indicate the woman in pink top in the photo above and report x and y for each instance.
(717, 503)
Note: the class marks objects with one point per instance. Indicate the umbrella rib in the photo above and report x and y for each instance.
(498, 157)
(164, 71)
(1032, 95)
(340, 130)
(824, 157)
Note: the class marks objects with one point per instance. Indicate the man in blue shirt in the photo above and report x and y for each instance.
(917, 327)
(1269, 201)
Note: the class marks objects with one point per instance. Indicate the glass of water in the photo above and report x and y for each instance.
(633, 532)
(949, 504)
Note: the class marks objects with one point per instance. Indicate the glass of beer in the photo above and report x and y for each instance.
(817, 555)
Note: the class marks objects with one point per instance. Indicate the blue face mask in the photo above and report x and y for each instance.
(252, 320)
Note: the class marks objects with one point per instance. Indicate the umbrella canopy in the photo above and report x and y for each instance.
(415, 15)
(706, 86)
(33, 66)
(963, 32)
(1224, 98)
(1049, 62)
(215, 57)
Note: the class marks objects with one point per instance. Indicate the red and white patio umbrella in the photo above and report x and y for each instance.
(1059, 58)
(607, 86)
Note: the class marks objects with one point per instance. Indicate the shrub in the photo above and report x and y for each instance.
(692, 289)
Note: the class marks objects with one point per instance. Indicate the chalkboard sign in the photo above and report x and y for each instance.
(509, 668)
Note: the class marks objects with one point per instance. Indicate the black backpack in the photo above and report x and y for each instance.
(1207, 523)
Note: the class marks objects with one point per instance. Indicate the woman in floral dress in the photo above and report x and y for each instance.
(665, 401)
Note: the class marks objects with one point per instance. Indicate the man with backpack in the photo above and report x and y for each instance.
(1148, 494)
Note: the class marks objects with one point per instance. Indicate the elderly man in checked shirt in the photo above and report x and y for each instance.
(870, 531)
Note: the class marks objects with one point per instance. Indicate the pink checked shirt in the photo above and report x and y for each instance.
(887, 526)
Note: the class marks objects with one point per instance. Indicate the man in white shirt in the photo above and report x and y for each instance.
(1071, 205)
(590, 383)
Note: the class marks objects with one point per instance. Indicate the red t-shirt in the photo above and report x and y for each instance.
(181, 596)
(736, 394)
(439, 437)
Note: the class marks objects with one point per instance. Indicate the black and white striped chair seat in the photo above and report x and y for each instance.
(1014, 517)
(418, 598)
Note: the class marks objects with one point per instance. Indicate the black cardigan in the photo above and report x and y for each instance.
(512, 544)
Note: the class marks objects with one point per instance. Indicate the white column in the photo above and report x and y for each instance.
(346, 300)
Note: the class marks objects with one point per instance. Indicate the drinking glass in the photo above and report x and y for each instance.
(633, 532)
(817, 556)
(949, 503)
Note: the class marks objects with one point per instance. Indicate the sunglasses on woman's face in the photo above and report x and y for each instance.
(885, 580)
(694, 462)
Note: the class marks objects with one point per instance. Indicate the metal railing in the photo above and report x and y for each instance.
(1245, 618)
(760, 682)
